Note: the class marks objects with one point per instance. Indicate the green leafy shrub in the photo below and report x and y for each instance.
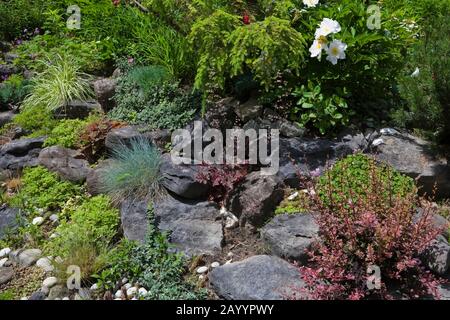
(12, 91)
(85, 238)
(60, 83)
(133, 171)
(67, 132)
(152, 265)
(351, 177)
(427, 94)
(94, 223)
(321, 110)
(18, 15)
(37, 120)
(42, 189)
(141, 100)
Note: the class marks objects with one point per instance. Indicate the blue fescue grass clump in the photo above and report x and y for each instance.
(133, 171)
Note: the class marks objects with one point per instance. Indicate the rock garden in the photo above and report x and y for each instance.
(354, 94)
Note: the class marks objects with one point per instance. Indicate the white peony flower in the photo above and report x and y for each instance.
(326, 27)
(310, 3)
(317, 47)
(336, 51)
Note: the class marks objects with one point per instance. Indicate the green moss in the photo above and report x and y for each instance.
(352, 177)
(299, 204)
(43, 189)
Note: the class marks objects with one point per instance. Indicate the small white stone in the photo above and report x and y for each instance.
(124, 280)
(215, 264)
(53, 236)
(377, 142)
(37, 221)
(45, 264)
(118, 294)
(66, 298)
(57, 298)
(53, 218)
(230, 254)
(4, 252)
(117, 299)
(3, 261)
(131, 292)
(142, 291)
(50, 282)
(201, 277)
(40, 211)
(24, 298)
(201, 270)
(134, 298)
(293, 196)
(127, 286)
(94, 287)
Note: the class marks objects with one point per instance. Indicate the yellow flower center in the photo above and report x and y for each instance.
(334, 51)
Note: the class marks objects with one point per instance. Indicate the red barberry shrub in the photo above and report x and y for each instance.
(222, 179)
(92, 139)
(359, 233)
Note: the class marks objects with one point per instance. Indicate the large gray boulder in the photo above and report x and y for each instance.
(6, 117)
(9, 219)
(254, 200)
(134, 218)
(416, 158)
(77, 109)
(21, 153)
(437, 256)
(195, 227)
(68, 164)
(290, 235)
(300, 156)
(104, 90)
(6, 274)
(256, 278)
(93, 183)
(181, 179)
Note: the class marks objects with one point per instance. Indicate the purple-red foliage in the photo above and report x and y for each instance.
(222, 179)
(357, 234)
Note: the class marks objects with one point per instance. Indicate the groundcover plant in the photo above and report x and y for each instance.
(224, 149)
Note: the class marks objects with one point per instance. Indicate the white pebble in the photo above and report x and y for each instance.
(53, 217)
(37, 221)
(377, 142)
(117, 299)
(293, 196)
(66, 298)
(124, 280)
(4, 252)
(53, 236)
(215, 264)
(230, 254)
(40, 211)
(24, 298)
(201, 270)
(131, 292)
(127, 286)
(50, 282)
(142, 291)
(45, 264)
(3, 261)
(118, 294)
(201, 277)
(94, 287)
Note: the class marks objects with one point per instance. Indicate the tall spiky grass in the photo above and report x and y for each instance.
(133, 172)
(61, 82)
